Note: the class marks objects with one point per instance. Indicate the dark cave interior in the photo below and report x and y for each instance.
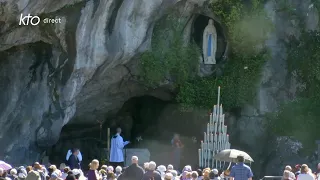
(139, 116)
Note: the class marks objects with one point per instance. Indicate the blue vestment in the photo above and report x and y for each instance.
(116, 151)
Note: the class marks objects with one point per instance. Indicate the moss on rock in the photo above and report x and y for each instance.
(171, 58)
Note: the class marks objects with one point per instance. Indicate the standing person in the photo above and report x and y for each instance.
(151, 172)
(134, 171)
(297, 170)
(291, 174)
(93, 173)
(305, 174)
(177, 146)
(240, 171)
(69, 153)
(73, 160)
(116, 151)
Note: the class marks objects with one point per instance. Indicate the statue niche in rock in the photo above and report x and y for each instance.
(209, 45)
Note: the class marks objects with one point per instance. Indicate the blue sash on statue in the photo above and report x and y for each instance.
(209, 45)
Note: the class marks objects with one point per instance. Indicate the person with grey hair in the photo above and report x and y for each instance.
(13, 174)
(116, 150)
(194, 175)
(174, 174)
(291, 174)
(134, 171)
(146, 166)
(169, 167)
(151, 173)
(118, 171)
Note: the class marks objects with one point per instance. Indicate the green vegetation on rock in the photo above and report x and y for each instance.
(170, 57)
(247, 28)
(247, 31)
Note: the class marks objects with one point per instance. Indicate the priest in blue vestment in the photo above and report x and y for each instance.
(116, 149)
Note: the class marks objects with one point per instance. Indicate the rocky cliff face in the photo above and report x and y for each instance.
(276, 87)
(82, 67)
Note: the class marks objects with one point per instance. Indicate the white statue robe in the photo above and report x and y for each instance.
(209, 44)
(69, 153)
(116, 150)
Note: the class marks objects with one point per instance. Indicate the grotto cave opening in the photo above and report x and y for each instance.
(199, 24)
(154, 119)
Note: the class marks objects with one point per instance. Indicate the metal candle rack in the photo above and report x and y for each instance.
(215, 138)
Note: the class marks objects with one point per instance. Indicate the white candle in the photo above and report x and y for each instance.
(221, 110)
(208, 138)
(222, 119)
(225, 129)
(218, 96)
(215, 127)
(214, 146)
(208, 128)
(211, 120)
(201, 144)
(214, 110)
(205, 137)
(213, 154)
(199, 158)
(211, 139)
(108, 142)
(227, 137)
(223, 139)
(203, 158)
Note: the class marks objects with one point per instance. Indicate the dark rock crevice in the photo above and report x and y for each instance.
(116, 6)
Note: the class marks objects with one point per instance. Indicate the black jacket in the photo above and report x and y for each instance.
(133, 172)
(155, 175)
(73, 162)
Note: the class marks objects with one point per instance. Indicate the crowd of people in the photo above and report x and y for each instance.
(301, 172)
(149, 171)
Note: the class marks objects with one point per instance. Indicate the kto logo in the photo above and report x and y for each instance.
(25, 20)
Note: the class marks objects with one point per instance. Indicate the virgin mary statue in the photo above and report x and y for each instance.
(209, 45)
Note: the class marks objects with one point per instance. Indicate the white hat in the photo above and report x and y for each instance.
(215, 171)
(76, 172)
(13, 172)
(162, 168)
(110, 168)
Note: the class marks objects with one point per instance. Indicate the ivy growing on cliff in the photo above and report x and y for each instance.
(248, 28)
(171, 58)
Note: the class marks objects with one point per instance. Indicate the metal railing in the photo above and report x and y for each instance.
(271, 178)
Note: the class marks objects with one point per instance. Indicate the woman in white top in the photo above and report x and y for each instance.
(305, 173)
